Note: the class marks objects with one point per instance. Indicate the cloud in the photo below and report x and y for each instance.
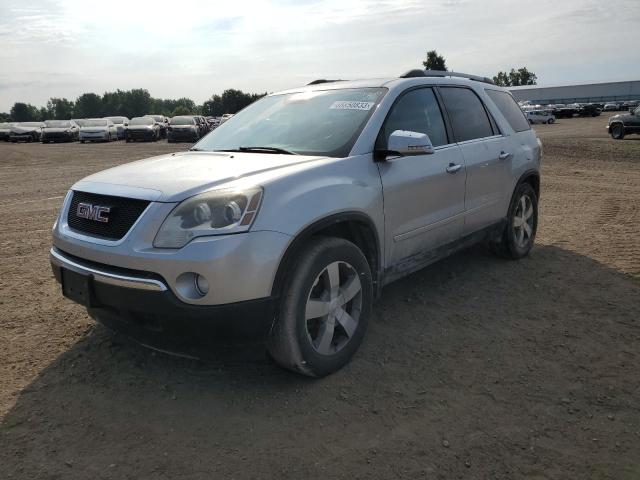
(195, 47)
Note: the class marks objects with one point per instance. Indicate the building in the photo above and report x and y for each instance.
(587, 93)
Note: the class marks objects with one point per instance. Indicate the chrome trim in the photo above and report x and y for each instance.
(106, 277)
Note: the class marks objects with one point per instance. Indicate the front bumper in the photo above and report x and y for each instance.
(140, 134)
(140, 305)
(182, 135)
(94, 136)
(57, 137)
(237, 267)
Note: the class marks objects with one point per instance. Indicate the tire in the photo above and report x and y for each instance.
(550, 121)
(317, 346)
(518, 236)
(617, 131)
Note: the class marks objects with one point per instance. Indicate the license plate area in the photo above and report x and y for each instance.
(77, 287)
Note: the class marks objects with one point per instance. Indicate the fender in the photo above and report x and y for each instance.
(366, 238)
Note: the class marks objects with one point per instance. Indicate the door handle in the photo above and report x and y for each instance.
(503, 155)
(453, 168)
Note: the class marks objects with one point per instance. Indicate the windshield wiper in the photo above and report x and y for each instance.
(261, 150)
(195, 149)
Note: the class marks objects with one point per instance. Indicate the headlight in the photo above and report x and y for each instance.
(218, 212)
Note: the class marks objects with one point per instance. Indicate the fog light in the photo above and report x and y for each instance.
(202, 285)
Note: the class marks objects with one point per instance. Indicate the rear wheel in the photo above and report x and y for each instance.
(519, 232)
(617, 131)
(325, 308)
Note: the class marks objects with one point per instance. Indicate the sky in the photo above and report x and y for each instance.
(194, 48)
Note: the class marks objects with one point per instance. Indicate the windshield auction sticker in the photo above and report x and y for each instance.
(351, 105)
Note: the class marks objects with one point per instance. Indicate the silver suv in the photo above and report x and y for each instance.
(284, 223)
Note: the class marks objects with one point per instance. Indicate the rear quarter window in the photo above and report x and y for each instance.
(510, 110)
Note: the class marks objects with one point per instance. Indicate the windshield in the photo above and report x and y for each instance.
(181, 121)
(30, 124)
(95, 122)
(309, 123)
(117, 120)
(57, 123)
(157, 118)
(141, 121)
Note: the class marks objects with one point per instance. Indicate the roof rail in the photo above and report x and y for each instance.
(443, 73)
(322, 80)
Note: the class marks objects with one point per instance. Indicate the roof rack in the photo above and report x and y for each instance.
(443, 73)
(322, 80)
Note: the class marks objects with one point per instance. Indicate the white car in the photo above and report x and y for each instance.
(225, 117)
(121, 124)
(98, 129)
(611, 107)
(540, 116)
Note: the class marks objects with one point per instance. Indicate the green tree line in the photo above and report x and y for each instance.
(128, 103)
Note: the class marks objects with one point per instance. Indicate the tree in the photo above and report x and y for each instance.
(515, 78)
(137, 102)
(88, 105)
(60, 108)
(181, 110)
(434, 61)
(231, 101)
(24, 112)
(4, 117)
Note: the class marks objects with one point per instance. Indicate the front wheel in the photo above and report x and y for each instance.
(325, 308)
(617, 131)
(519, 232)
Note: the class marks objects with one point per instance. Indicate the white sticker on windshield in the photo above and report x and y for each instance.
(351, 105)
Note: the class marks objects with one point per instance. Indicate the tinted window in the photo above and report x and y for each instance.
(416, 111)
(467, 114)
(510, 109)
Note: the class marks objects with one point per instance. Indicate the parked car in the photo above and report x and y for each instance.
(540, 116)
(162, 122)
(79, 121)
(5, 130)
(97, 129)
(121, 125)
(142, 128)
(589, 110)
(60, 131)
(183, 128)
(630, 105)
(26, 132)
(285, 222)
(225, 117)
(206, 128)
(624, 124)
(611, 107)
(565, 112)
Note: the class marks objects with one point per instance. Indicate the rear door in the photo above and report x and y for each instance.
(423, 194)
(487, 155)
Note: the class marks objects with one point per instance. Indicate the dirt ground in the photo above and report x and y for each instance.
(475, 367)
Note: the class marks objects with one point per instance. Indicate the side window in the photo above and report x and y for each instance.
(510, 109)
(416, 111)
(467, 114)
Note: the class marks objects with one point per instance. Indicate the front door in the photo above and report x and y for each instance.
(423, 194)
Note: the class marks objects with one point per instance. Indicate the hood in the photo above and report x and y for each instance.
(174, 177)
(21, 129)
(99, 128)
(140, 127)
(182, 127)
(620, 116)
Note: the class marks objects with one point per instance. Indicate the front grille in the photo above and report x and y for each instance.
(122, 215)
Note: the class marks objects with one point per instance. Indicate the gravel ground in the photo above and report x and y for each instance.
(475, 367)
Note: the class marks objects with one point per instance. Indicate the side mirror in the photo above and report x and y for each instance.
(403, 143)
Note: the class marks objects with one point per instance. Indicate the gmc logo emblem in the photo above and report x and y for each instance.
(97, 213)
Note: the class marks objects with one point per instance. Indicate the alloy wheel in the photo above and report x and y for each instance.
(333, 308)
(523, 219)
